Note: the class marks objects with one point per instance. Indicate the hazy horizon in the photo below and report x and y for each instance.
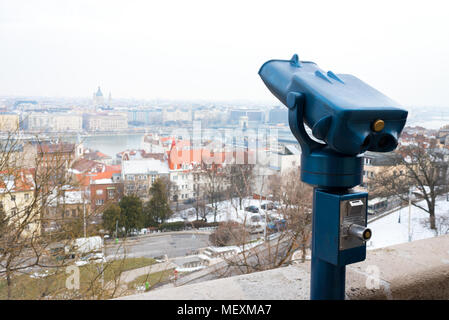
(199, 50)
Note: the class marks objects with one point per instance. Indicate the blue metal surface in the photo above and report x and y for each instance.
(327, 281)
(320, 165)
(341, 111)
(326, 227)
(326, 168)
(328, 261)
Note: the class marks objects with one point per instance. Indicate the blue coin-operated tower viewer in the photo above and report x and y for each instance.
(349, 117)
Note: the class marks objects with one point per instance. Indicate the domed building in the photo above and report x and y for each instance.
(98, 99)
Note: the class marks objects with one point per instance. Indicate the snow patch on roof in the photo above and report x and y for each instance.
(144, 166)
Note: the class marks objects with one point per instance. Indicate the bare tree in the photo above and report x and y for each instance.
(25, 193)
(241, 178)
(33, 259)
(422, 167)
(215, 184)
(290, 221)
(295, 206)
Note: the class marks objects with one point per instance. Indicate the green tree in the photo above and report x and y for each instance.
(112, 217)
(157, 210)
(131, 212)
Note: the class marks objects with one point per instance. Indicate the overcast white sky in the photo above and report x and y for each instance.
(213, 49)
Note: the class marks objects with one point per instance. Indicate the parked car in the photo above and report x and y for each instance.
(252, 209)
(255, 223)
(91, 258)
(81, 246)
(277, 225)
(268, 206)
(143, 231)
(59, 253)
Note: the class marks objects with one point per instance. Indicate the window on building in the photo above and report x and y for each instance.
(99, 202)
(111, 194)
(73, 212)
(26, 196)
(13, 198)
(99, 192)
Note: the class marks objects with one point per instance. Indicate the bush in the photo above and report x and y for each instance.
(229, 233)
(202, 224)
(172, 226)
(181, 225)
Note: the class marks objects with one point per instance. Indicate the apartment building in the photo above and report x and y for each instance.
(138, 175)
(375, 162)
(18, 154)
(66, 206)
(53, 122)
(194, 172)
(284, 159)
(105, 188)
(145, 116)
(9, 122)
(176, 115)
(105, 122)
(17, 201)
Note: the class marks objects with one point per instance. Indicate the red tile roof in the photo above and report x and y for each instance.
(176, 157)
(23, 180)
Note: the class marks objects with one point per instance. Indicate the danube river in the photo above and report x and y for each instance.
(112, 144)
(115, 143)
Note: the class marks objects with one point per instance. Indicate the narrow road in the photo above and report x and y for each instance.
(172, 244)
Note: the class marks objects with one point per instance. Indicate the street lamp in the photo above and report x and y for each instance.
(409, 212)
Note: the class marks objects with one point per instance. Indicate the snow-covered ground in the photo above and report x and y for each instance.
(387, 231)
(393, 228)
(226, 211)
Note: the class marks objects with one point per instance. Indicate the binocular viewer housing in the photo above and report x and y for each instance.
(347, 114)
(349, 117)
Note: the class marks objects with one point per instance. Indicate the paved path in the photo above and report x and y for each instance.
(130, 275)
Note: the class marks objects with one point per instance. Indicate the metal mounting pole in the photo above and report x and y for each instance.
(327, 281)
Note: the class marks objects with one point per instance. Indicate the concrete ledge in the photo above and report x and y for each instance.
(415, 270)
